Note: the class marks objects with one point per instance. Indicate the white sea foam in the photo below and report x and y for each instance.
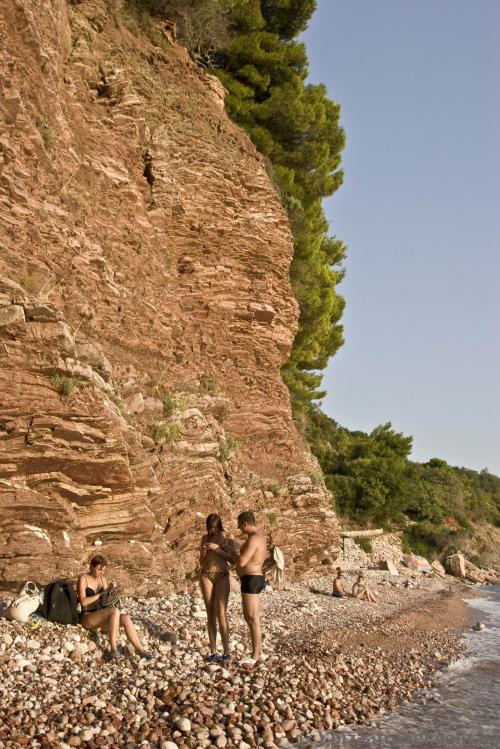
(461, 666)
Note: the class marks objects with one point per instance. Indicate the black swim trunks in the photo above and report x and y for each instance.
(252, 583)
(338, 594)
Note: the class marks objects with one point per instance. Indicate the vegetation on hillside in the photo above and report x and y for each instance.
(374, 482)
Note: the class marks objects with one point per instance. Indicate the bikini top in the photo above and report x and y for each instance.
(91, 592)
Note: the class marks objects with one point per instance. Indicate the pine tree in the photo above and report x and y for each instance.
(297, 128)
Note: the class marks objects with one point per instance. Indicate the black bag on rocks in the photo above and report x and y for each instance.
(60, 602)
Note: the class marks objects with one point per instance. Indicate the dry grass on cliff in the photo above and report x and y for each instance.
(203, 26)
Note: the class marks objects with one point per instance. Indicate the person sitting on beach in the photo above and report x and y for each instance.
(249, 560)
(361, 590)
(214, 583)
(90, 587)
(338, 585)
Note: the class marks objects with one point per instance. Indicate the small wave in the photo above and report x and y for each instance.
(462, 665)
(488, 606)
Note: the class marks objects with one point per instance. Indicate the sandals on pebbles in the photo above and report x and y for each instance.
(212, 658)
(247, 661)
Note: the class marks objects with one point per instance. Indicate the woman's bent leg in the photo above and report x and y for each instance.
(221, 600)
(113, 627)
(207, 589)
(105, 618)
(131, 632)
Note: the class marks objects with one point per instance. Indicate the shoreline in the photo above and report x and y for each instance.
(330, 662)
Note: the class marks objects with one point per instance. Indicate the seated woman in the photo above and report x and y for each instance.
(360, 590)
(90, 587)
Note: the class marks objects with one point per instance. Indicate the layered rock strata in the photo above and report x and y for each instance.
(145, 311)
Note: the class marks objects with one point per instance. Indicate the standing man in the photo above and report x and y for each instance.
(249, 560)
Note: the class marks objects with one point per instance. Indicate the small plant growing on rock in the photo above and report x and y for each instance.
(122, 408)
(49, 136)
(227, 447)
(405, 547)
(168, 431)
(65, 385)
(208, 382)
(365, 544)
(167, 258)
(316, 478)
(275, 490)
(169, 404)
(273, 518)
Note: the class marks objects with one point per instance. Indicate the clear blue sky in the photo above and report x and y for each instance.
(418, 83)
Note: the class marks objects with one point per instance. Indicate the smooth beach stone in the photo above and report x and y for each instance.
(183, 724)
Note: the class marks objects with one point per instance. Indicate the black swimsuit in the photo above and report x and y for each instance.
(91, 592)
(252, 583)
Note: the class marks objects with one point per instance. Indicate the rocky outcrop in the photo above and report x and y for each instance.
(438, 568)
(145, 311)
(458, 566)
(455, 565)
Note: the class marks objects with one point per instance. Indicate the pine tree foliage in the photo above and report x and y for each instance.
(297, 128)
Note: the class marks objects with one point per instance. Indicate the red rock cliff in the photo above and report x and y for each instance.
(145, 311)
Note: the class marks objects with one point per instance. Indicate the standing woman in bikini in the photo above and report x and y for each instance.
(214, 583)
(90, 587)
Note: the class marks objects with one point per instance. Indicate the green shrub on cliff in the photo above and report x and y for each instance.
(49, 136)
(167, 431)
(227, 447)
(65, 384)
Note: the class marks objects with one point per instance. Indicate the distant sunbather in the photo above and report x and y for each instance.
(338, 590)
(360, 590)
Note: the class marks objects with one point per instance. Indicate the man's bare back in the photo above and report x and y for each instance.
(338, 590)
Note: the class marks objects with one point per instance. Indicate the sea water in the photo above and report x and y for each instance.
(463, 711)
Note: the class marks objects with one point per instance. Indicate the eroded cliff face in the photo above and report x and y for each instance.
(145, 311)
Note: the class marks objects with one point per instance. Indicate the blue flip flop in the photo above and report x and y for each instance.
(212, 658)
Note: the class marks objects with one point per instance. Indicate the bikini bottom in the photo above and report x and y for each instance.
(213, 575)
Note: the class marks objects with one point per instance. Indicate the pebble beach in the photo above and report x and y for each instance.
(329, 662)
